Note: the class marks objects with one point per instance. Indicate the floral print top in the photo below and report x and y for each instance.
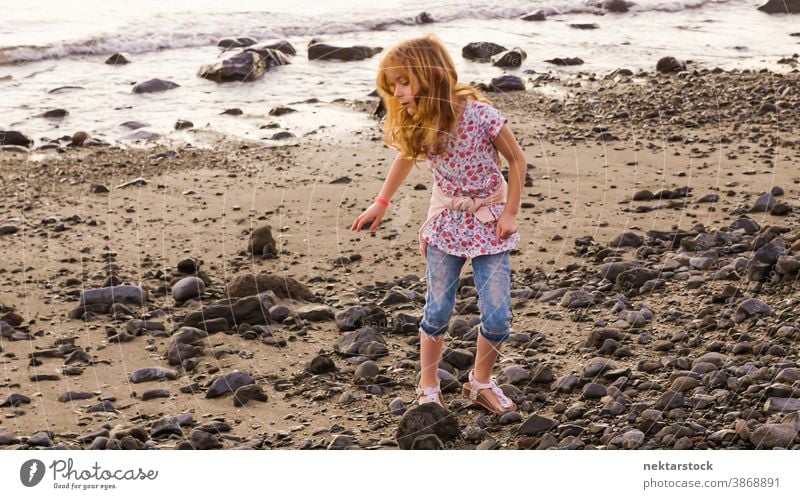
(469, 166)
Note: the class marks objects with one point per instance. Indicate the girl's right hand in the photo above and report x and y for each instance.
(372, 214)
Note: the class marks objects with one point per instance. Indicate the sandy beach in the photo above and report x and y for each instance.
(653, 289)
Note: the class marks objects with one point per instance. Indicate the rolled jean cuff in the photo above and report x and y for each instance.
(495, 337)
(432, 331)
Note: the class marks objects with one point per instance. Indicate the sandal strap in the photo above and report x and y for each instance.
(476, 386)
(431, 392)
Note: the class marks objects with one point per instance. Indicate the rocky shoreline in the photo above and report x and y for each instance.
(190, 298)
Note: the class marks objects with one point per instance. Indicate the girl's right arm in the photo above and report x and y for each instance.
(397, 174)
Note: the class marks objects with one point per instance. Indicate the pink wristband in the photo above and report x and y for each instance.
(382, 201)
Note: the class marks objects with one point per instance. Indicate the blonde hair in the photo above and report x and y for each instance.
(427, 130)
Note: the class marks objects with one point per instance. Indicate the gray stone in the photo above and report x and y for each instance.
(536, 425)
(365, 341)
(366, 371)
(188, 287)
(152, 374)
(248, 310)
(315, 312)
(246, 393)
(627, 240)
(768, 436)
(577, 299)
(750, 307)
(154, 85)
(229, 383)
(425, 419)
(780, 404)
(126, 294)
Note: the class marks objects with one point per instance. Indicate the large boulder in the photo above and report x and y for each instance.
(13, 138)
(781, 7)
(365, 341)
(154, 85)
(250, 310)
(262, 243)
(282, 286)
(510, 59)
(505, 83)
(670, 65)
(420, 423)
(481, 51)
(618, 6)
(324, 51)
(246, 65)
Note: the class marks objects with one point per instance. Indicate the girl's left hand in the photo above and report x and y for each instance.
(506, 225)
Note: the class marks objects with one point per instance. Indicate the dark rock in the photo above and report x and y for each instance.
(670, 65)
(154, 85)
(481, 51)
(117, 59)
(510, 59)
(250, 310)
(768, 436)
(323, 51)
(15, 400)
(321, 364)
(618, 6)
(781, 7)
(565, 61)
(13, 138)
(750, 307)
(366, 371)
(262, 243)
(152, 374)
(156, 393)
(125, 294)
(763, 203)
(202, 440)
(55, 114)
(423, 18)
(229, 383)
(282, 285)
(577, 299)
(238, 42)
(506, 83)
(365, 341)
(188, 287)
(424, 419)
(315, 312)
(183, 125)
(352, 318)
(535, 425)
(104, 406)
(248, 64)
(70, 396)
(627, 240)
(538, 15)
(247, 393)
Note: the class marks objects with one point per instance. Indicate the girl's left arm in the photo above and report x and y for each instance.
(508, 146)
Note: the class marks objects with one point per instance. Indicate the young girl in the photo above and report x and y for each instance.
(453, 126)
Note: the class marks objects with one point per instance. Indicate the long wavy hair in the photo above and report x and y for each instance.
(428, 130)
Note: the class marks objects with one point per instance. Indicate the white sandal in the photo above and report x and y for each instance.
(432, 394)
(472, 391)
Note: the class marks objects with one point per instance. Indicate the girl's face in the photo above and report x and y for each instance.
(405, 88)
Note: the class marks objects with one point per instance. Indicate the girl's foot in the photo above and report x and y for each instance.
(488, 395)
(430, 394)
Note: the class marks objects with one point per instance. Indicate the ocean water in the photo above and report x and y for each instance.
(46, 44)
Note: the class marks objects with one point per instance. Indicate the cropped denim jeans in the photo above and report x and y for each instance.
(492, 276)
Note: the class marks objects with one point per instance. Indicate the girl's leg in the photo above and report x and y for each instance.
(492, 276)
(443, 272)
